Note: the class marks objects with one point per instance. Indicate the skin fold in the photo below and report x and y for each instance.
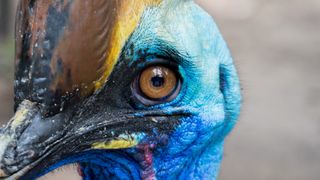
(76, 97)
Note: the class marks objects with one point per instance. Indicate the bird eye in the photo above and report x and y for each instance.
(157, 84)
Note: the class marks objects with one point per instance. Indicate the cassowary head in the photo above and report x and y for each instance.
(138, 89)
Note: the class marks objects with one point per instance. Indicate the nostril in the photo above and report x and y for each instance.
(28, 154)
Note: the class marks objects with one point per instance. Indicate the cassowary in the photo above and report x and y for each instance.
(139, 89)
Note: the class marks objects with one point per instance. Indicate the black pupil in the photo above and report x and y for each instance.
(157, 81)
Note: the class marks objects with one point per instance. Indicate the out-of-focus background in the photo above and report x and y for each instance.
(276, 46)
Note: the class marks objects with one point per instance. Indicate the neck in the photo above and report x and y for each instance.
(199, 161)
(193, 151)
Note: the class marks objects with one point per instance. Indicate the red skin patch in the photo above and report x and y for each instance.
(79, 171)
(147, 172)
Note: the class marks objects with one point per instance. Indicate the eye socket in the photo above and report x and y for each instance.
(157, 84)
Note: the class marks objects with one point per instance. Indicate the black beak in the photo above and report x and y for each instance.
(30, 142)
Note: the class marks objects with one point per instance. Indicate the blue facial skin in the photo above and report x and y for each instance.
(210, 92)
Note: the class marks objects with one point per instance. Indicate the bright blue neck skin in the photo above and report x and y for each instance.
(211, 93)
(191, 155)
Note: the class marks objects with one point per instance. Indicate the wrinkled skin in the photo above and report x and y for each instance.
(76, 100)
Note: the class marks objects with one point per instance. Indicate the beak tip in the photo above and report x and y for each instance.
(3, 174)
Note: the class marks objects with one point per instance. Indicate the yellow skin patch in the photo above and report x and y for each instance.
(115, 144)
(128, 17)
(121, 142)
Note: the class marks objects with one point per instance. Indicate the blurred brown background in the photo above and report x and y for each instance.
(276, 46)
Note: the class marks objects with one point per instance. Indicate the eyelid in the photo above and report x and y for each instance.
(161, 62)
(154, 61)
